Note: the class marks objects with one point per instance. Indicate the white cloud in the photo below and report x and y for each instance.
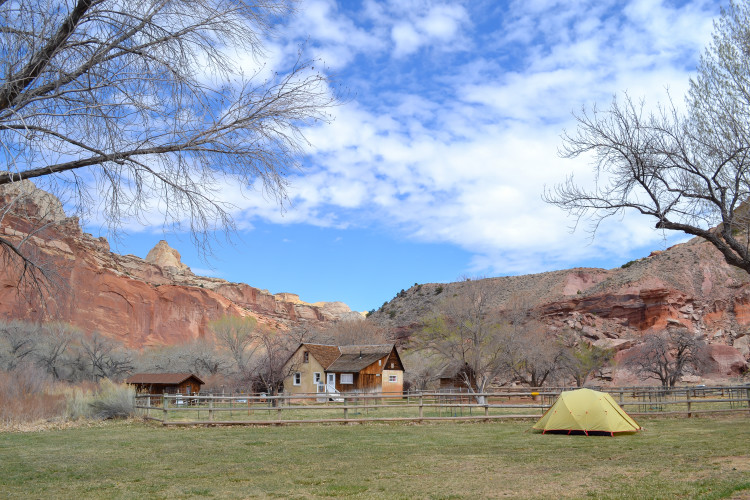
(439, 26)
(465, 156)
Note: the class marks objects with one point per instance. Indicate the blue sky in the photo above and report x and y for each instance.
(434, 168)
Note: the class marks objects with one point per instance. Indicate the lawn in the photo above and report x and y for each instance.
(672, 458)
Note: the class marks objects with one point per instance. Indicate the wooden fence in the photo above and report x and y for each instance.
(210, 409)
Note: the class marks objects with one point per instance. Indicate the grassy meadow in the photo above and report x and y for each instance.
(672, 458)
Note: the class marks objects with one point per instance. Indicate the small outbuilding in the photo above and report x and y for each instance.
(165, 383)
(586, 410)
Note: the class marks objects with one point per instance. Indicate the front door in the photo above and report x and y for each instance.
(331, 381)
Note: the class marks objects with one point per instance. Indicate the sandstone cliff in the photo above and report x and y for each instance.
(142, 302)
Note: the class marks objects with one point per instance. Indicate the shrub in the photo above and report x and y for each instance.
(439, 290)
(110, 400)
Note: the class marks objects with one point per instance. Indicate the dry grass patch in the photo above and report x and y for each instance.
(681, 458)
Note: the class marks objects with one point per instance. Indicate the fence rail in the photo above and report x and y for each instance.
(213, 409)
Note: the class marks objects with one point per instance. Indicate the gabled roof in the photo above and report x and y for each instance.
(355, 358)
(347, 358)
(324, 354)
(161, 378)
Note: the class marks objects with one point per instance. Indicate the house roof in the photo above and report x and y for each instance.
(348, 358)
(161, 378)
(324, 354)
(358, 357)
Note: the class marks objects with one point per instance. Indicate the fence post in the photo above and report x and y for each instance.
(687, 394)
(210, 408)
(421, 408)
(148, 405)
(165, 405)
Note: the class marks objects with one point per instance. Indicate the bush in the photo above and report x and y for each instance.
(110, 400)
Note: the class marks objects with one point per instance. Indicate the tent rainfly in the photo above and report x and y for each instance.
(588, 411)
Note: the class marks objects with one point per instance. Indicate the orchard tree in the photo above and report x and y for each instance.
(583, 360)
(236, 335)
(667, 356)
(531, 356)
(272, 350)
(465, 332)
(689, 171)
(138, 107)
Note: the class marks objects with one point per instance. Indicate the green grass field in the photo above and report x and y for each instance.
(672, 458)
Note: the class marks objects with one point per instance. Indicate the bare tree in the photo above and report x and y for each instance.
(689, 171)
(103, 358)
(582, 360)
(354, 332)
(420, 371)
(130, 107)
(236, 335)
(198, 356)
(465, 332)
(53, 347)
(531, 355)
(18, 343)
(272, 350)
(668, 356)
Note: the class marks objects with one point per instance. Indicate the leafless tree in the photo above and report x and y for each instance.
(420, 371)
(201, 357)
(531, 355)
(103, 358)
(354, 332)
(689, 171)
(465, 332)
(50, 355)
(582, 360)
(18, 343)
(272, 350)
(668, 356)
(236, 335)
(135, 107)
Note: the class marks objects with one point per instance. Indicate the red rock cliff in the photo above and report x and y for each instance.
(140, 302)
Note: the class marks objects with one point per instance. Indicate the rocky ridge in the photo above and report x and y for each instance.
(153, 301)
(688, 285)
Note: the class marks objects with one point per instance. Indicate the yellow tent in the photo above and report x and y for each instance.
(588, 411)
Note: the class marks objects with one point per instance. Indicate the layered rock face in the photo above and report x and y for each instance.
(140, 302)
(689, 285)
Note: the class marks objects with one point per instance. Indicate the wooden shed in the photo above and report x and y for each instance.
(454, 377)
(165, 383)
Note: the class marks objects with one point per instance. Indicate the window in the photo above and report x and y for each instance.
(347, 378)
(393, 378)
(305, 357)
(316, 377)
(297, 378)
(391, 366)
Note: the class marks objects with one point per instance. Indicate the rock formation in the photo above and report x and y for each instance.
(140, 302)
(688, 285)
